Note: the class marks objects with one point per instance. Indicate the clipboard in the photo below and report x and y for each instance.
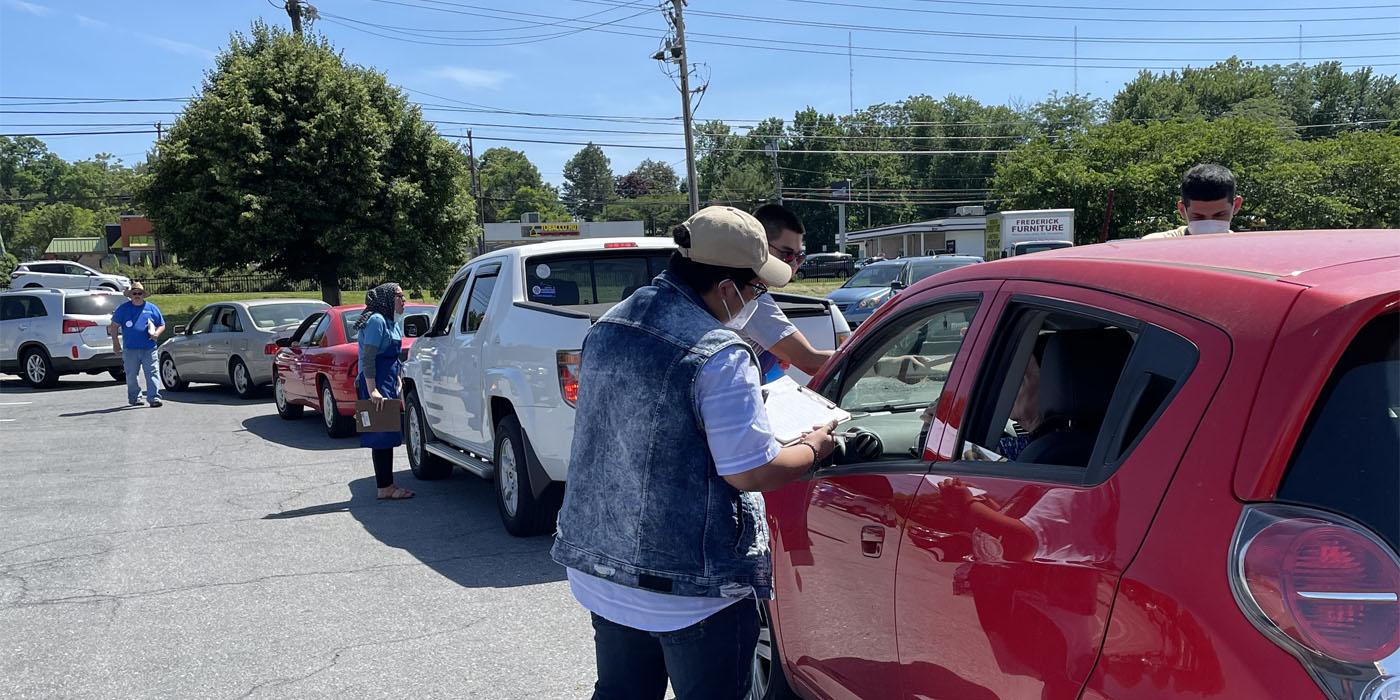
(794, 409)
(385, 419)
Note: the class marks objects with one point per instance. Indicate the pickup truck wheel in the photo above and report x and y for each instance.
(285, 409)
(38, 369)
(118, 375)
(337, 426)
(523, 514)
(769, 682)
(425, 465)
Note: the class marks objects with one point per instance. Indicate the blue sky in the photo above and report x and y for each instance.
(526, 56)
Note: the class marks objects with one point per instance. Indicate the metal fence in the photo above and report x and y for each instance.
(241, 284)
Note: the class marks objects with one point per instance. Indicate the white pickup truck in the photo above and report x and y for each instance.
(491, 381)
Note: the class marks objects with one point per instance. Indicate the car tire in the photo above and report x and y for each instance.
(800, 275)
(242, 380)
(337, 426)
(522, 513)
(425, 465)
(285, 409)
(170, 375)
(768, 680)
(118, 375)
(842, 274)
(37, 369)
(31, 285)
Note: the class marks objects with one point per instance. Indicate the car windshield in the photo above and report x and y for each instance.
(920, 270)
(875, 276)
(352, 333)
(1038, 247)
(272, 315)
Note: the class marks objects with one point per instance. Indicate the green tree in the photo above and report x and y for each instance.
(649, 177)
(588, 182)
(40, 225)
(511, 185)
(659, 213)
(305, 165)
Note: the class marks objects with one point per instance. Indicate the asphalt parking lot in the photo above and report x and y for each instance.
(209, 549)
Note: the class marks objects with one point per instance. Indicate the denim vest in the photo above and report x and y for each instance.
(644, 506)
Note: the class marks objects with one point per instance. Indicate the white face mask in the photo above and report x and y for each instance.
(746, 312)
(1206, 226)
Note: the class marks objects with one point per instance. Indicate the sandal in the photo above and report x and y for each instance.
(397, 494)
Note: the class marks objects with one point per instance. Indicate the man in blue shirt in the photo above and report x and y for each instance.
(135, 327)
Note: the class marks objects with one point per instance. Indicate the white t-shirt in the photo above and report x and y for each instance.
(769, 324)
(736, 428)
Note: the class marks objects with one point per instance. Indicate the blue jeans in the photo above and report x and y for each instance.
(134, 361)
(709, 660)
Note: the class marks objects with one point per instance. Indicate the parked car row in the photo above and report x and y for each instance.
(878, 282)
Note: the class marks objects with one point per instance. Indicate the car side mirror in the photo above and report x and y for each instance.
(416, 326)
(897, 285)
(180, 330)
(284, 342)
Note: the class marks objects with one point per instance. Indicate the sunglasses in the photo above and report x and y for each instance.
(138, 294)
(787, 256)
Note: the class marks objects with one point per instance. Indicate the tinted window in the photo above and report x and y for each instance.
(92, 304)
(319, 334)
(920, 270)
(47, 267)
(578, 280)
(75, 270)
(273, 315)
(17, 307)
(1348, 457)
(304, 330)
(482, 285)
(226, 321)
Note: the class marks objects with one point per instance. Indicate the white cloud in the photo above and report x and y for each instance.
(479, 78)
(92, 23)
(29, 7)
(179, 47)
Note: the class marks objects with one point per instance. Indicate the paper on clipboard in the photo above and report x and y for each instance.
(794, 409)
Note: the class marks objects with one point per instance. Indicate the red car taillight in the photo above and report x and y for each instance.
(569, 362)
(271, 349)
(1325, 589)
(76, 325)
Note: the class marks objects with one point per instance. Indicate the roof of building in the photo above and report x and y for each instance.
(70, 246)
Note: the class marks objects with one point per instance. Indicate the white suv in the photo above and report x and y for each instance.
(62, 274)
(46, 333)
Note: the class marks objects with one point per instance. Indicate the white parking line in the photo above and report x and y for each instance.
(17, 403)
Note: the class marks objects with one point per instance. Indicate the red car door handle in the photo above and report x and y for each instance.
(872, 540)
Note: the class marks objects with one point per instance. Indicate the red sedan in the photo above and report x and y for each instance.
(1142, 469)
(317, 367)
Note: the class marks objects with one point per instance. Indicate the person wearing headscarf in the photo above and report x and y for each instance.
(379, 379)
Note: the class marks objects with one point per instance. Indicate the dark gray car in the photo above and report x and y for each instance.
(838, 265)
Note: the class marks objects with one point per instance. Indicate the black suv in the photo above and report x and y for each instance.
(838, 265)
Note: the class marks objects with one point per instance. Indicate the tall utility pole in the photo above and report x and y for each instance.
(676, 52)
(771, 148)
(476, 196)
(294, 11)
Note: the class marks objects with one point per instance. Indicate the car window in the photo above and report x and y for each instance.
(1071, 389)
(227, 321)
(47, 268)
(21, 306)
(75, 270)
(580, 280)
(891, 386)
(442, 321)
(203, 322)
(266, 316)
(318, 336)
(927, 268)
(304, 330)
(91, 304)
(482, 285)
(1346, 456)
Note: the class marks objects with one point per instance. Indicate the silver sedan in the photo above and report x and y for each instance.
(232, 343)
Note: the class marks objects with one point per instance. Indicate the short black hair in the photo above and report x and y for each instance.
(777, 218)
(700, 276)
(1206, 183)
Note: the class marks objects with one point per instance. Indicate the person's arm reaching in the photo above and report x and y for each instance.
(791, 464)
(796, 351)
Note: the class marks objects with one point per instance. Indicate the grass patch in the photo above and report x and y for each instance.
(813, 287)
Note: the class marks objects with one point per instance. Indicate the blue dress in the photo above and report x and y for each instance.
(382, 341)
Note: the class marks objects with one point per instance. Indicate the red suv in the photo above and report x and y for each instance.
(1142, 469)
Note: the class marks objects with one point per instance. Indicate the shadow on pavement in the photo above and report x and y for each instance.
(303, 434)
(212, 394)
(103, 411)
(451, 526)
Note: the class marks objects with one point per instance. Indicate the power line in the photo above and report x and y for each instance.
(1135, 20)
(1120, 8)
(82, 133)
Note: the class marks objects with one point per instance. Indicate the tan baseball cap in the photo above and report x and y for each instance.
(729, 237)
